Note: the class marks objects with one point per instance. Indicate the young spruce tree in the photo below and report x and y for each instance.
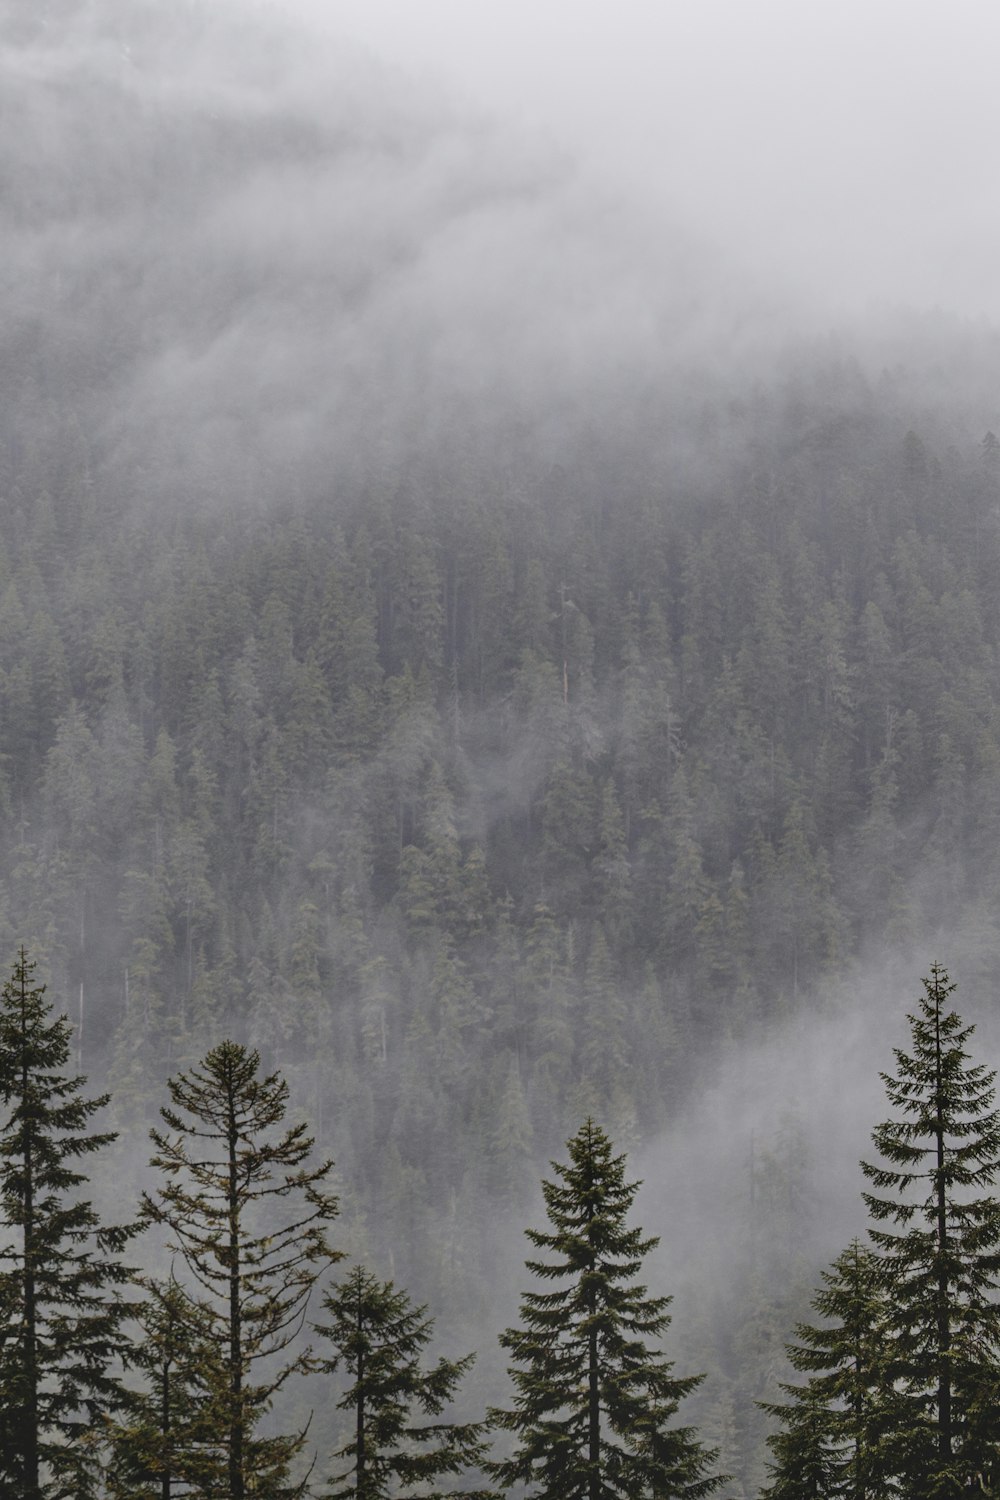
(594, 1399)
(379, 1338)
(834, 1428)
(61, 1304)
(941, 1263)
(252, 1269)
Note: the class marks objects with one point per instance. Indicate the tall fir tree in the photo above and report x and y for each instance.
(379, 1338)
(940, 1156)
(252, 1270)
(594, 1399)
(61, 1302)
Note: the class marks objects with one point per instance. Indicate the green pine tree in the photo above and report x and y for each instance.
(61, 1307)
(379, 1337)
(225, 1173)
(940, 1157)
(594, 1399)
(834, 1428)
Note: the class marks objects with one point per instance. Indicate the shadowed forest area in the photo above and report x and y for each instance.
(494, 698)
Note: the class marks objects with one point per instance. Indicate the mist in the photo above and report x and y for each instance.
(498, 608)
(838, 155)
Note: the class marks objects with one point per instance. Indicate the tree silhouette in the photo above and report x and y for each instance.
(61, 1307)
(379, 1337)
(594, 1401)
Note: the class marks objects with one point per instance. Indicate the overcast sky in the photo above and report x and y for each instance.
(844, 148)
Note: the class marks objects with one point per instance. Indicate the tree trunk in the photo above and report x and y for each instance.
(361, 1454)
(236, 1424)
(593, 1392)
(165, 1485)
(594, 1405)
(32, 1490)
(943, 1318)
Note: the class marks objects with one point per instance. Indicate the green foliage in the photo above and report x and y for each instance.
(837, 1430)
(61, 1278)
(903, 1375)
(595, 1400)
(166, 1443)
(379, 1338)
(940, 1156)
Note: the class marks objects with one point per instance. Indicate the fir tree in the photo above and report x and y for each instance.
(61, 1308)
(834, 1428)
(594, 1401)
(940, 1158)
(379, 1338)
(225, 1174)
(165, 1447)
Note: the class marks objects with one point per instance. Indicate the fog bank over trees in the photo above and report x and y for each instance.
(837, 153)
(464, 639)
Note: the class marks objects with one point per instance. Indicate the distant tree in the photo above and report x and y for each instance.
(940, 1156)
(61, 1304)
(379, 1338)
(594, 1400)
(225, 1174)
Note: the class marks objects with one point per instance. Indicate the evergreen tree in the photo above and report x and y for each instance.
(379, 1338)
(835, 1428)
(164, 1448)
(593, 1399)
(225, 1172)
(940, 1158)
(61, 1308)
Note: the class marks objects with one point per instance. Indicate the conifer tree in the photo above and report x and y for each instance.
(940, 1159)
(165, 1446)
(61, 1307)
(379, 1337)
(835, 1428)
(594, 1399)
(226, 1173)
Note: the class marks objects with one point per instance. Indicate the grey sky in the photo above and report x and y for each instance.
(847, 151)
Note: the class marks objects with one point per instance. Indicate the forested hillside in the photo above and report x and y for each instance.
(484, 733)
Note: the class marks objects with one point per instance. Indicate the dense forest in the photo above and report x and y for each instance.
(493, 698)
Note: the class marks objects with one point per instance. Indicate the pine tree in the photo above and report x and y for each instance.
(940, 1158)
(61, 1308)
(379, 1337)
(164, 1447)
(834, 1428)
(225, 1174)
(593, 1399)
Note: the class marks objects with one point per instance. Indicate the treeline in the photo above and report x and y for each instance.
(115, 1383)
(128, 1385)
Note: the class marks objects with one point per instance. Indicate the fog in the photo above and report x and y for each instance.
(393, 263)
(839, 153)
(592, 343)
(478, 214)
